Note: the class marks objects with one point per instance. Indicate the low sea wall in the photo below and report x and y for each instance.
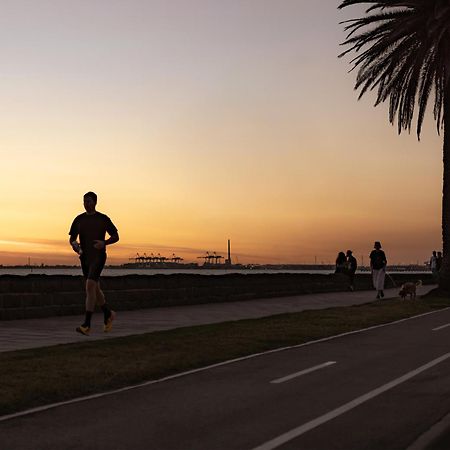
(32, 296)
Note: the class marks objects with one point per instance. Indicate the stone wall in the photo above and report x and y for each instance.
(32, 296)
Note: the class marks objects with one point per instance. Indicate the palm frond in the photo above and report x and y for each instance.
(402, 49)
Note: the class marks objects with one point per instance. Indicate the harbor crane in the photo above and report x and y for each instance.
(209, 258)
(176, 259)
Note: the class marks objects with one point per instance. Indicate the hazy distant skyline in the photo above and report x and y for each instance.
(201, 121)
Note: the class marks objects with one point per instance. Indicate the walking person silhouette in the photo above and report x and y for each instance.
(378, 264)
(91, 227)
(433, 265)
(352, 264)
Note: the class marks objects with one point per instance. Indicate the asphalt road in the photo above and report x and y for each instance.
(377, 389)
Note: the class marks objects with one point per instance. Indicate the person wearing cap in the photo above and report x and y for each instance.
(352, 264)
(378, 264)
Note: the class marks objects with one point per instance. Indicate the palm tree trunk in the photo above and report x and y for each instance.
(444, 278)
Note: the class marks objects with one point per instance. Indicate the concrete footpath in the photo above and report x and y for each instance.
(34, 333)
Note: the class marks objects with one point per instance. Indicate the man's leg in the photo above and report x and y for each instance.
(99, 295)
(90, 301)
(108, 314)
(90, 307)
(351, 276)
(101, 301)
(91, 296)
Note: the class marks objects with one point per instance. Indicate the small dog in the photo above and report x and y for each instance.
(409, 289)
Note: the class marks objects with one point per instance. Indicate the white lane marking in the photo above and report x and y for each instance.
(203, 369)
(303, 372)
(442, 327)
(296, 432)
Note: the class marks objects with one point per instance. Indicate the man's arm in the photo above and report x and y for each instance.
(73, 243)
(113, 239)
(99, 245)
(73, 233)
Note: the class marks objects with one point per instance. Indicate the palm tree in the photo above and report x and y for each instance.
(403, 51)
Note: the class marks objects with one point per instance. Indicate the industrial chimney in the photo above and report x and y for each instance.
(228, 261)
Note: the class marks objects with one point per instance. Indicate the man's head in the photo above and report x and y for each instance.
(377, 245)
(349, 253)
(434, 252)
(89, 201)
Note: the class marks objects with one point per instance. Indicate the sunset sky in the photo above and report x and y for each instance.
(198, 121)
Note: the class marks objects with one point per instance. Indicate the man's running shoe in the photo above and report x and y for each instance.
(107, 327)
(83, 330)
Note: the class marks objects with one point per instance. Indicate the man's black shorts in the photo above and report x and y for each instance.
(92, 265)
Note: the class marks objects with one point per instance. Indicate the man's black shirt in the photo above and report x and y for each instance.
(91, 227)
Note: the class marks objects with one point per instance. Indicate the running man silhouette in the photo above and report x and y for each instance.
(91, 227)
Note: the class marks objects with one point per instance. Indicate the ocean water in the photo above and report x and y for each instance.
(115, 272)
(110, 272)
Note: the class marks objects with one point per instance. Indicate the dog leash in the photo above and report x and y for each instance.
(392, 280)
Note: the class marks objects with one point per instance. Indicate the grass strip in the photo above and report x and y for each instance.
(41, 376)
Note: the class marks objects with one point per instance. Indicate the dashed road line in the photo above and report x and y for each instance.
(441, 327)
(296, 432)
(302, 372)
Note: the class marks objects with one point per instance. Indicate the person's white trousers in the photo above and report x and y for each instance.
(378, 278)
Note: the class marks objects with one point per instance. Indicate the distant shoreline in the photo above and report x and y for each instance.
(117, 271)
(234, 267)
